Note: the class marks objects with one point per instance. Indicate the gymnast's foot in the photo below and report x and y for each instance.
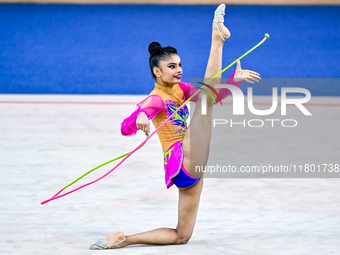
(219, 30)
(116, 240)
(112, 242)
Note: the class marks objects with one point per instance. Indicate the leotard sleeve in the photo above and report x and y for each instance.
(189, 89)
(151, 109)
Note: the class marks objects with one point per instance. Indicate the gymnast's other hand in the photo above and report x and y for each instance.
(143, 123)
(245, 75)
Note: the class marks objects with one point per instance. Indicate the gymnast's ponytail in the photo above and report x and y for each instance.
(158, 54)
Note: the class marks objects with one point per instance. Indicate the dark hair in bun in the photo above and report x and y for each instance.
(158, 54)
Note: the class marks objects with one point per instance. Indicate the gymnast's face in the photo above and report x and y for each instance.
(169, 72)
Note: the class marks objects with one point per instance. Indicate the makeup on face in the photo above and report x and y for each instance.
(171, 71)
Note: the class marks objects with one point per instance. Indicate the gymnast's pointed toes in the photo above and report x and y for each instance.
(219, 13)
(101, 244)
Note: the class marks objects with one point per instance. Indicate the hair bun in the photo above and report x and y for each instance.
(154, 47)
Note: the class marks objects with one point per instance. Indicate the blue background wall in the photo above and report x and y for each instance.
(102, 49)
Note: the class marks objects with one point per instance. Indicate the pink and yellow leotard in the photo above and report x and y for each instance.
(163, 102)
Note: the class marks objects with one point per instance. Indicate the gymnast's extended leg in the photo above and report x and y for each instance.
(201, 125)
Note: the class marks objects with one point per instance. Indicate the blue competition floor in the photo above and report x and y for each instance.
(102, 49)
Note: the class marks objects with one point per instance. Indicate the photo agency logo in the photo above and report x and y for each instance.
(271, 129)
(239, 102)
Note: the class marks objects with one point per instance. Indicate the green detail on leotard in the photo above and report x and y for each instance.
(166, 154)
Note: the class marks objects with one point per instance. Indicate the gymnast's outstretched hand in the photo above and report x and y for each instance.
(245, 75)
(143, 123)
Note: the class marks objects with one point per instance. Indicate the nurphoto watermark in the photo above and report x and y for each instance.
(270, 129)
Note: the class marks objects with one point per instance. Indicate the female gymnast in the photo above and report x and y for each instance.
(169, 93)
